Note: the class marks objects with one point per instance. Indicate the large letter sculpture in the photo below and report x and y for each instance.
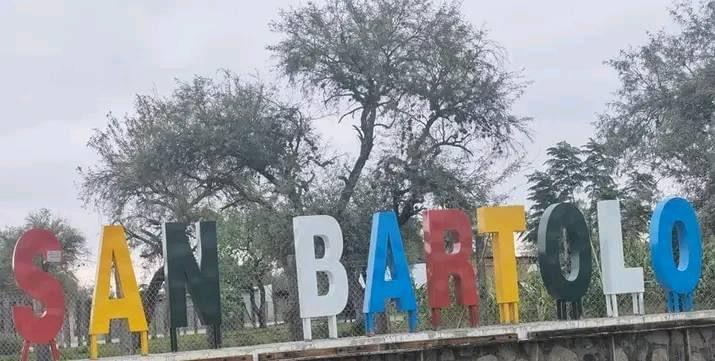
(40, 285)
(503, 222)
(201, 278)
(312, 304)
(442, 264)
(387, 251)
(127, 304)
(679, 280)
(565, 288)
(616, 278)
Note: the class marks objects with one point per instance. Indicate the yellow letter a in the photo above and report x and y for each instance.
(113, 250)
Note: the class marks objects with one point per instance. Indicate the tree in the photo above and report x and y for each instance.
(589, 175)
(361, 54)
(639, 195)
(662, 117)
(414, 75)
(433, 124)
(565, 167)
(560, 182)
(211, 145)
(74, 249)
(543, 194)
(246, 243)
(599, 170)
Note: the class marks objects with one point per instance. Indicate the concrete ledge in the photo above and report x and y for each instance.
(385, 348)
(407, 342)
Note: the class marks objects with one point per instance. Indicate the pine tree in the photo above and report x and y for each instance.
(566, 170)
(542, 193)
(599, 169)
(639, 195)
(561, 181)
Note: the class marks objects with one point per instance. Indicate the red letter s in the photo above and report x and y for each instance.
(38, 284)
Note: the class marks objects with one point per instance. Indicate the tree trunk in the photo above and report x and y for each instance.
(292, 311)
(367, 127)
(150, 297)
(66, 331)
(274, 305)
(194, 318)
(242, 315)
(245, 313)
(262, 306)
(254, 308)
(78, 322)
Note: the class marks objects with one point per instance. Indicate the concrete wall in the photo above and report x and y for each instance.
(641, 346)
(663, 337)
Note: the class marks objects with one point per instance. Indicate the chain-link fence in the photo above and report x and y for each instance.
(270, 315)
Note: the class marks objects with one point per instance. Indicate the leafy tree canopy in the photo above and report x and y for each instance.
(74, 248)
(662, 118)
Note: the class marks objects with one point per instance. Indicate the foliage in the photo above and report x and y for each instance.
(10, 345)
(433, 130)
(704, 292)
(588, 175)
(438, 115)
(566, 169)
(560, 182)
(662, 118)
(360, 54)
(210, 146)
(74, 248)
(543, 194)
(639, 194)
(245, 255)
(535, 302)
(599, 170)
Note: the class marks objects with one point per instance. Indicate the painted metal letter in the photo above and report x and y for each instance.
(442, 264)
(41, 286)
(387, 252)
(503, 222)
(616, 278)
(201, 278)
(569, 288)
(679, 280)
(312, 304)
(113, 251)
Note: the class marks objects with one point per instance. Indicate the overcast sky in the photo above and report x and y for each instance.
(65, 64)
